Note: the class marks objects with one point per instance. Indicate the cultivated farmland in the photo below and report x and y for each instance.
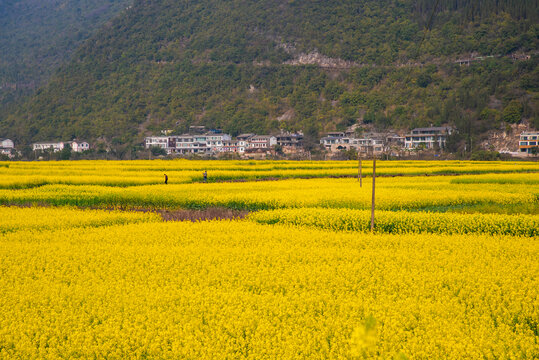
(89, 268)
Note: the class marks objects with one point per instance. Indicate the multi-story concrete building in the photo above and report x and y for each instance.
(157, 141)
(529, 142)
(232, 146)
(262, 141)
(53, 146)
(337, 134)
(7, 144)
(211, 142)
(215, 141)
(332, 143)
(430, 137)
(7, 147)
(290, 143)
(394, 140)
(76, 146)
(79, 146)
(189, 144)
(244, 137)
(366, 145)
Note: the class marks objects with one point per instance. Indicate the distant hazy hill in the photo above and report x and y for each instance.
(293, 64)
(37, 36)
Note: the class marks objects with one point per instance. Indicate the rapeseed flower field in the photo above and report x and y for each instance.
(403, 222)
(20, 175)
(88, 269)
(393, 194)
(236, 289)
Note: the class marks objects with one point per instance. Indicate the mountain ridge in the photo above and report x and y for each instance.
(172, 64)
(38, 36)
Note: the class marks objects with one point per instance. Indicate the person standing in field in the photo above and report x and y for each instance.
(166, 179)
(205, 175)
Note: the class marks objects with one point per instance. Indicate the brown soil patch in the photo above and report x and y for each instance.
(199, 215)
(166, 214)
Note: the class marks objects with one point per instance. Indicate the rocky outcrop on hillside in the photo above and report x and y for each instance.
(505, 141)
(315, 58)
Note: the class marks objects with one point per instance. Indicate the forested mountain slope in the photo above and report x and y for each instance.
(292, 64)
(37, 36)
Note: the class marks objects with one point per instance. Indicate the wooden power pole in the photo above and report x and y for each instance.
(359, 170)
(373, 183)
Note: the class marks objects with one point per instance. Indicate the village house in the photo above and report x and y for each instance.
(262, 142)
(230, 146)
(210, 142)
(338, 134)
(290, 143)
(244, 137)
(338, 141)
(79, 146)
(334, 143)
(242, 146)
(394, 144)
(157, 141)
(7, 144)
(394, 140)
(76, 146)
(51, 146)
(243, 142)
(7, 147)
(215, 140)
(529, 142)
(188, 144)
(430, 137)
(233, 146)
(368, 145)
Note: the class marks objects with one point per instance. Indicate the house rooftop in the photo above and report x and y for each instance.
(332, 138)
(433, 128)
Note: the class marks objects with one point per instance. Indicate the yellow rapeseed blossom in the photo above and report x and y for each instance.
(236, 289)
(399, 222)
(35, 218)
(20, 175)
(301, 279)
(431, 192)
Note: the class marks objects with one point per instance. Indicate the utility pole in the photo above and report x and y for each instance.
(373, 183)
(359, 170)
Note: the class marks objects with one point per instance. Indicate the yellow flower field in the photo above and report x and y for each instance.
(392, 193)
(235, 289)
(402, 222)
(20, 175)
(39, 219)
(89, 269)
